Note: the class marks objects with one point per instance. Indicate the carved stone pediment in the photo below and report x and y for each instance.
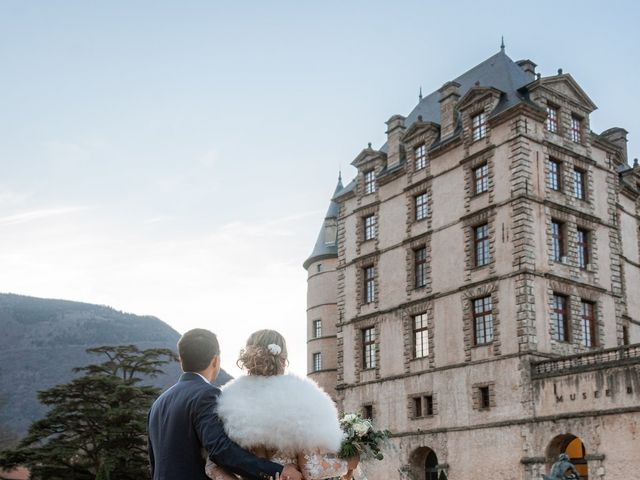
(427, 132)
(368, 156)
(478, 94)
(565, 86)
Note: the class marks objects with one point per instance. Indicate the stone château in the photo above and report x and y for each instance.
(476, 287)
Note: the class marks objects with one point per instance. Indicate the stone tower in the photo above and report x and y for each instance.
(322, 304)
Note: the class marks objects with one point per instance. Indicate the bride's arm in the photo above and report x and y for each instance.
(316, 466)
(217, 473)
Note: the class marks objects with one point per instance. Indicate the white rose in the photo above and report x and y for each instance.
(349, 418)
(274, 349)
(361, 429)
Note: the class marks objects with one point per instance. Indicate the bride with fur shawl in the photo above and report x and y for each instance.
(282, 417)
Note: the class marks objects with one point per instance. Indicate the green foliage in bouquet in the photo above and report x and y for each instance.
(360, 438)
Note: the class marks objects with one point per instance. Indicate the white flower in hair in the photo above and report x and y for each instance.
(274, 349)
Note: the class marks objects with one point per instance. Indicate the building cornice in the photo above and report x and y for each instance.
(324, 337)
(520, 421)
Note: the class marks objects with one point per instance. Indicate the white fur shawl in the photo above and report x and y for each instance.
(284, 412)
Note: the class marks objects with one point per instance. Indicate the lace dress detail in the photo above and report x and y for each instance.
(315, 466)
(318, 466)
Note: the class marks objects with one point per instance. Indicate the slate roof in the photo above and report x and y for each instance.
(497, 71)
(322, 249)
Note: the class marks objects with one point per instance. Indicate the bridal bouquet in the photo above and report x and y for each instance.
(360, 438)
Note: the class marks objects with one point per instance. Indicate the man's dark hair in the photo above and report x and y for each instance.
(197, 348)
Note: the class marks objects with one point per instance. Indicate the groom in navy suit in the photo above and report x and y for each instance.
(183, 422)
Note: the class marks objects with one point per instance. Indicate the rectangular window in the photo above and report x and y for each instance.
(428, 405)
(579, 184)
(317, 328)
(420, 336)
(369, 284)
(421, 204)
(588, 323)
(317, 362)
(369, 348)
(582, 243)
(576, 129)
(555, 175)
(369, 182)
(557, 241)
(367, 412)
(423, 406)
(625, 335)
(484, 398)
(420, 153)
(479, 126)
(552, 119)
(481, 179)
(560, 318)
(483, 320)
(420, 264)
(369, 227)
(417, 407)
(481, 242)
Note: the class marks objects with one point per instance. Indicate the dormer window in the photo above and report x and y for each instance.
(369, 182)
(479, 126)
(420, 153)
(552, 119)
(576, 129)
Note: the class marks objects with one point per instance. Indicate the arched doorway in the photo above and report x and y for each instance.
(424, 465)
(574, 448)
(431, 466)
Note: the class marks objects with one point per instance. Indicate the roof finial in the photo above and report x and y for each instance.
(369, 145)
(340, 175)
(420, 94)
(502, 43)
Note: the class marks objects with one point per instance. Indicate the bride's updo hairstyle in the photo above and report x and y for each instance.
(265, 354)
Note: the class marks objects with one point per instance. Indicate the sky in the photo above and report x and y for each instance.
(176, 159)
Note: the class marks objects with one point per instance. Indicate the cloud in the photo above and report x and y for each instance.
(157, 219)
(9, 197)
(68, 152)
(34, 215)
(209, 158)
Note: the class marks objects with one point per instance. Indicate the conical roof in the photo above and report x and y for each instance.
(327, 247)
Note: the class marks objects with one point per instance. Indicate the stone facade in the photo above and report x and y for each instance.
(520, 355)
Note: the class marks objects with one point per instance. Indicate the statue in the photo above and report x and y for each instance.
(560, 469)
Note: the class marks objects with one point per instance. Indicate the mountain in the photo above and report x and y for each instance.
(42, 340)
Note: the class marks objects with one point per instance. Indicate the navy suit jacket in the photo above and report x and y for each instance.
(182, 422)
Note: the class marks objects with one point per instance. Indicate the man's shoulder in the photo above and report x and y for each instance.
(195, 387)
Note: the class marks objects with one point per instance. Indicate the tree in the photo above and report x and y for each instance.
(8, 438)
(96, 426)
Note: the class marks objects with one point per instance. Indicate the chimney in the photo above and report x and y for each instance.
(395, 130)
(529, 68)
(617, 136)
(449, 97)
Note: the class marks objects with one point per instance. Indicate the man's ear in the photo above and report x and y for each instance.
(215, 362)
